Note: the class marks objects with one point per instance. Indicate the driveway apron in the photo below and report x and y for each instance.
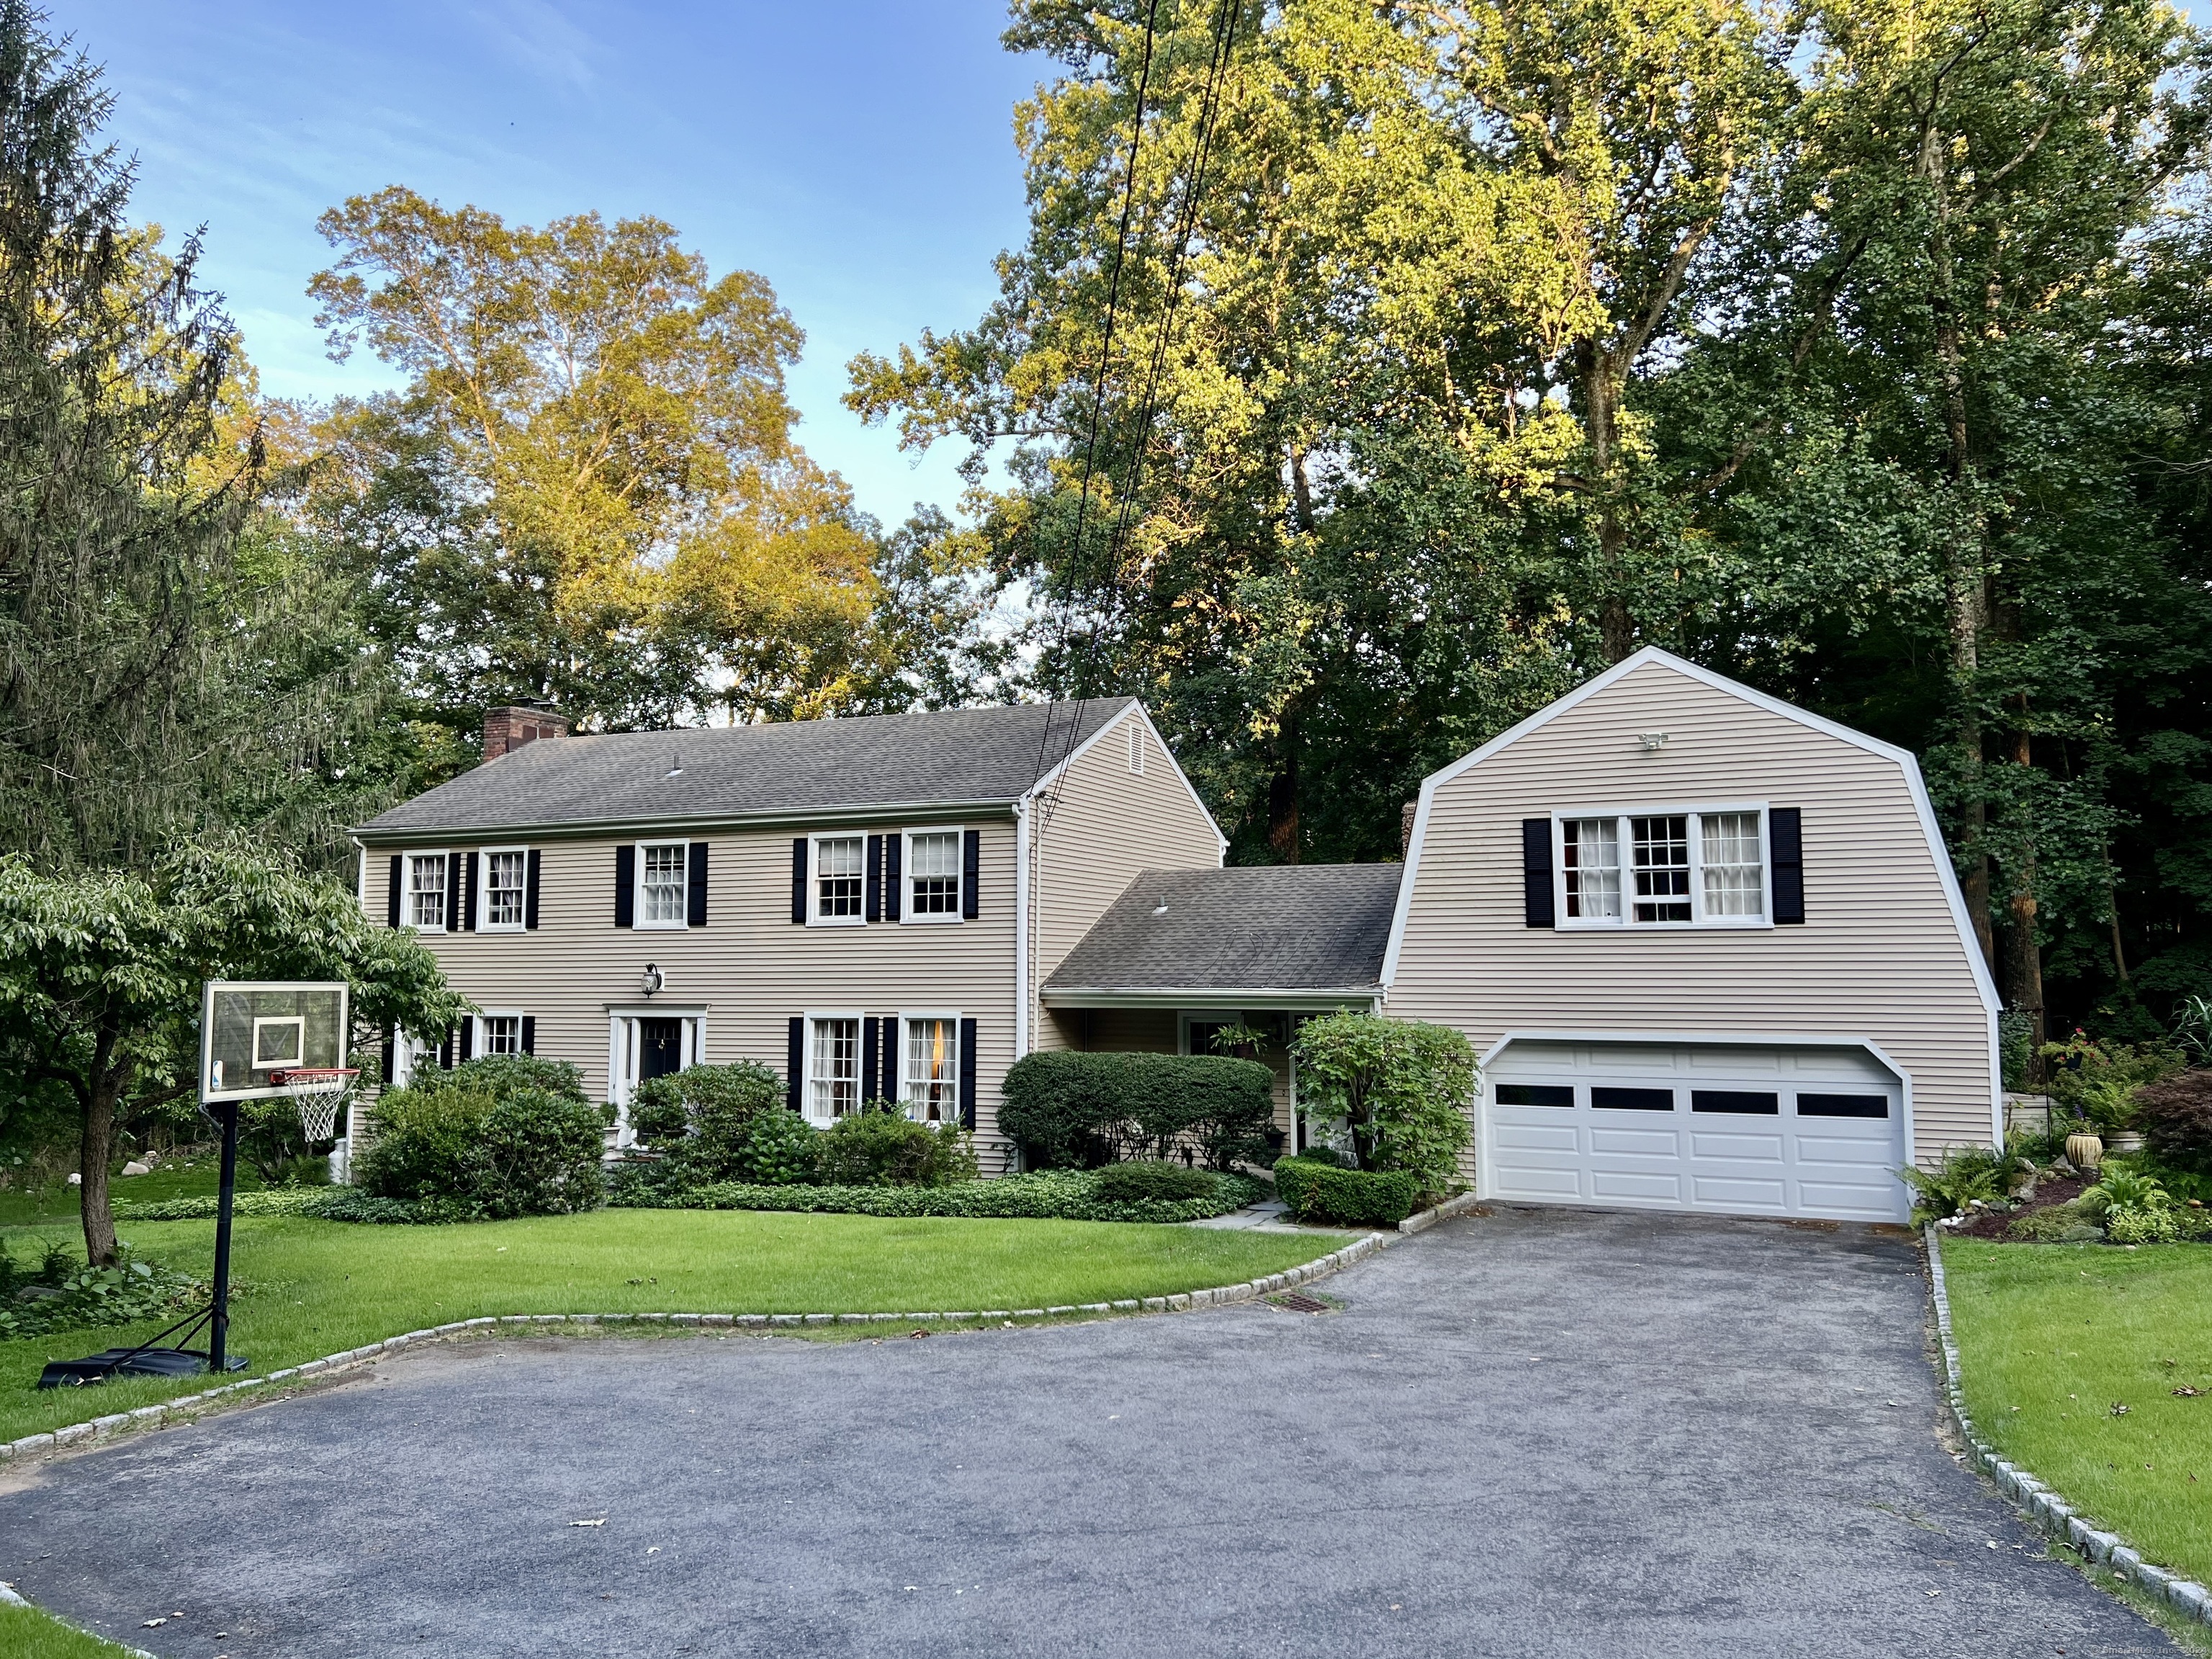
(1540, 1433)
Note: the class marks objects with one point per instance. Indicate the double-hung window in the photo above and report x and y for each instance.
(839, 878)
(426, 891)
(506, 882)
(660, 883)
(833, 1068)
(932, 878)
(929, 1075)
(502, 1034)
(1701, 867)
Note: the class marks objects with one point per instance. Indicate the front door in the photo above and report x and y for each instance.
(660, 1048)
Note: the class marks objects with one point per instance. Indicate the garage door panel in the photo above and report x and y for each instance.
(1736, 1156)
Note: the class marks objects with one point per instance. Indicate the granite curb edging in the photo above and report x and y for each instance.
(2036, 1501)
(1424, 1219)
(32, 1445)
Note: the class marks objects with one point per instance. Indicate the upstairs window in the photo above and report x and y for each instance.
(426, 891)
(840, 877)
(506, 879)
(933, 875)
(661, 887)
(1680, 869)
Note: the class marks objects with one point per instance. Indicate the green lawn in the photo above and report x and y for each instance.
(318, 1287)
(2052, 1336)
(27, 1633)
(59, 1203)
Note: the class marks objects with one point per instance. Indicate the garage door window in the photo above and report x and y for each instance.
(1632, 1100)
(1746, 1102)
(1706, 867)
(1842, 1105)
(1536, 1094)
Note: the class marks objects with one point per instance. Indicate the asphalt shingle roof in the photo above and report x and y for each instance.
(949, 756)
(1286, 927)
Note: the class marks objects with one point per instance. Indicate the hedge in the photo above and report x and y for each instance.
(1064, 1195)
(1332, 1195)
(1084, 1109)
(324, 1203)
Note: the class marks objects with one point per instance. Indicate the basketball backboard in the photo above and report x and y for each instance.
(251, 1029)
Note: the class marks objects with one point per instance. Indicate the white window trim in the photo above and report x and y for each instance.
(1187, 1018)
(1625, 922)
(637, 922)
(814, 1017)
(481, 1046)
(814, 916)
(407, 857)
(622, 1051)
(959, 1078)
(959, 832)
(485, 924)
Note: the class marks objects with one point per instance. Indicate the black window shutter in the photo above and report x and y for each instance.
(797, 892)
(794, 1060)
(469, 874)
(468, 1036)
(1536, 872)
(892, 890)
(529, 890)
(971, 861)
(890, 1057)
(875, 899)
(455, 863)
(446, 1054)
(968, 1070)
(392, 908)
(1785, 841)
(625, 886)
(389, 1061)
(529, 1034)
(868, 1061)
(694, 894)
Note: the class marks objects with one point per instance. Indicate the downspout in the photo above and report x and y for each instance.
(1022, 998)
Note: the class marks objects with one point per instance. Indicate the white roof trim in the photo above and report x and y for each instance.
(1136, 706)
(1902, 758)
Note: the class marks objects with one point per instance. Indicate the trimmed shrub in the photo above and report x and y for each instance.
(1053, 1194)
(1404, 1088)
(701, 1120)
(2176, 1118)
(1083, 1109)
(779, 1151)
(880, 1146)
(1331, 1195)
(488, 1141)
(1151, 1178)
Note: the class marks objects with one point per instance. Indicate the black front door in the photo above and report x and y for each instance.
(660, 1048)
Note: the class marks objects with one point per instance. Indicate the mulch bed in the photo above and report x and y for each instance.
(2050, 1190)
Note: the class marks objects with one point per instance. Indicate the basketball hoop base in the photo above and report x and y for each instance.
(97, 1368)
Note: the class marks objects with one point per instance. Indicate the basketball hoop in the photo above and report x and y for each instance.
(316, 1091)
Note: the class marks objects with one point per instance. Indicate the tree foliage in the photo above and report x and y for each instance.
(1404, 1089)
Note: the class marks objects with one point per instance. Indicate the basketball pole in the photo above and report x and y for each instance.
(219, 1328)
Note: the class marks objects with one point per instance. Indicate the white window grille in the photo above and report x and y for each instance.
(660, 891)
(833, 1070)
(1662, 851)
(502, 1034)
(837, 878)
(1735, 877)
(1689, 868)
(426, 890)
(506, 876)
(933, 873)
(929, 1081)
(1591, 852)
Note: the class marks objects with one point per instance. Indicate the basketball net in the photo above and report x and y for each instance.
(316, 1091)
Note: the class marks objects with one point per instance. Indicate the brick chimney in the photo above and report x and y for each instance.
(1406, 827)
(508, 729)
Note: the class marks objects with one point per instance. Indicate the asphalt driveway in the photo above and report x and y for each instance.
(1537, 1433)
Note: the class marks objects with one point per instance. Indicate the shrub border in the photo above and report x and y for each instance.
(2041, 1505)
(99, 1428)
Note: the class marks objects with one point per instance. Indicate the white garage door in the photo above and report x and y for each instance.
(1739, 1131)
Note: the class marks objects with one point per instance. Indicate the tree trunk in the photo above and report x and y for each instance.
(1283, 795)
(94, 1149)
(2024, 969)
(1600, 414)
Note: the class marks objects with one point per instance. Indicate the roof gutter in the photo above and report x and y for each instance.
(1245, 996)
(415, 835)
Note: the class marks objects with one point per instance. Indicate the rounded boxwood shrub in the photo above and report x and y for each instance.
(1153, 1178)
(507, 1135)
(880, 1146)
(701, 1120)
(1329, 1195)
(1082, 1109)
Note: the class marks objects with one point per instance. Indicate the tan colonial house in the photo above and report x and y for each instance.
(1709, 946)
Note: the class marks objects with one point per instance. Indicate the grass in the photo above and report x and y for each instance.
(27, 1633)
(2051, 1337)
(318, 1287)
(46, 1205)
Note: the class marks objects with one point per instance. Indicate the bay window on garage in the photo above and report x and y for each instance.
(1694, 867)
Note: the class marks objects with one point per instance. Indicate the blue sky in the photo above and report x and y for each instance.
(860, 155)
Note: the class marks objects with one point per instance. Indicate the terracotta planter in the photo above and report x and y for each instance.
(2084, 1151)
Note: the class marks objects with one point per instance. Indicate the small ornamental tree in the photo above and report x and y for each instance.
(1404, 1089)
(100, 973)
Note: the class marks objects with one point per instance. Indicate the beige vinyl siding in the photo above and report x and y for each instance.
(749, 967)
(1879, 956)
(1159, 1031)
(1108, 825)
